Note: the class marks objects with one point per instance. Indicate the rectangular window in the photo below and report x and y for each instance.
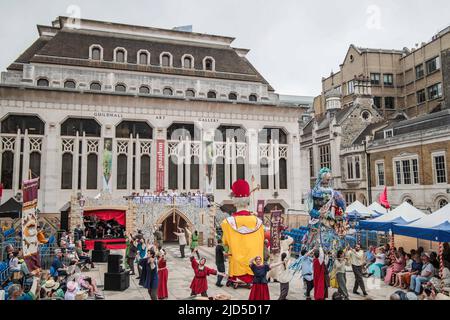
(421, 98)
(380, 173)
(440, 170)
(388, 133)
(377, 102)
(420, 72)
(325, 156)
(407, 171)
(353, 167)
(389, 103)
(350, 198)
(388, 79)
(311, 163)
(435, 91)
(350, 87)
(375, 79)
(350, 174)
(433, 65)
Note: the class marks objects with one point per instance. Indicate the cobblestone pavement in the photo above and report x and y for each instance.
(180, 277)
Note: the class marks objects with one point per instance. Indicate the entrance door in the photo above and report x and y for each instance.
(170, 225)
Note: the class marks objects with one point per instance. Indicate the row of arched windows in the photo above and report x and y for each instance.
(144, 90)
(143, 58)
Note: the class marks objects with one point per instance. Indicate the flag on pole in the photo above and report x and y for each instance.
(384, 199)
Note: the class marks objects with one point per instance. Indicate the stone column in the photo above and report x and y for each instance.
(227, 164)
(84, 150)
(76, 152)
(26, 156)
(101, 146)
(16, 183)
(271, 165)
(276, 165)
(187, 157)
(137, 176)
(130, 165)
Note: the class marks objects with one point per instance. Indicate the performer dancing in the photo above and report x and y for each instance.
(163, 274)
(243, 235)
(199, 284)
(260, 289)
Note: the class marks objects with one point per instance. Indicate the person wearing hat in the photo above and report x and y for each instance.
(425, 275)
(72, 289)
(243, 235)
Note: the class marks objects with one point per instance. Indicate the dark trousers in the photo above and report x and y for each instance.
(198, 254)
(153, 292)
(130, 262)
(284, 290)
(139, 268)
(182, 250)
(309, 287)
(342, 284)
(220, 268)
(359, 282)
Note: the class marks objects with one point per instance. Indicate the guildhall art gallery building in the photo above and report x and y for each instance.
(93, 106)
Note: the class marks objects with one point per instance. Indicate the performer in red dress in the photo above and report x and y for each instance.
(319, 275)
(199, 284)
(260, 289)
(163, 274)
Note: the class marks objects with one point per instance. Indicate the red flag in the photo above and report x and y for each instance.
(384, 199)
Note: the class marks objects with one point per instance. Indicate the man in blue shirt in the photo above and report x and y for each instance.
(57, 264)
(305, 264)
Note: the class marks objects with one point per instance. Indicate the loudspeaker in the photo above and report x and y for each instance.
(117, 281)
(115, 263)
(100, 255)
(98, 245)
(64, 223)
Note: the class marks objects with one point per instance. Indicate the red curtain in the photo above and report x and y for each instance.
(105, 215)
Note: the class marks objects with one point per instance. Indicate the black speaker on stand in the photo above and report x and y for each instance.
(116, 279)
(99, 254)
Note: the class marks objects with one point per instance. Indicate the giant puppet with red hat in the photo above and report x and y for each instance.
(243, 235)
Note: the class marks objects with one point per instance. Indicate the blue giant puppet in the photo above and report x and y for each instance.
(326, 207)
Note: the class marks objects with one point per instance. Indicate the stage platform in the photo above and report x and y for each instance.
(112, 244)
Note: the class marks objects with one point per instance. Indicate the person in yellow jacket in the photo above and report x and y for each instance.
(243, 235)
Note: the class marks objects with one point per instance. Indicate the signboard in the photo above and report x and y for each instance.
(160, 149)
(260, 209)
(107, 165)
(275, 230)
(29, 224)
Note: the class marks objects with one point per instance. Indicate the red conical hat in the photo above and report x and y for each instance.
(241, 189)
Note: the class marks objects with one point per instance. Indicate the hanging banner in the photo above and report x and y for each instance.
(209, 167)
(260, 209)
(29, 225)
(107, 165)
(160, 145)
(275, 231)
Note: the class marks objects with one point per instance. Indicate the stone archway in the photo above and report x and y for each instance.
(169, 222)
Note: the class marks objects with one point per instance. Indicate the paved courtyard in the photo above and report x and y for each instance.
(180, 276)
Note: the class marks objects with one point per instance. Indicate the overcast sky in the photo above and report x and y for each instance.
(293, 43)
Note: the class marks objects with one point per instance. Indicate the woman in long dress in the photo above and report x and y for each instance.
(199, 284)
(163, 274)
(320, 292)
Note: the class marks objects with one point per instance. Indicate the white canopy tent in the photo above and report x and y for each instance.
(377, 208)
(357, 209)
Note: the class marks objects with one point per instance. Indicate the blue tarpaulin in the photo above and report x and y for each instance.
(439, 233)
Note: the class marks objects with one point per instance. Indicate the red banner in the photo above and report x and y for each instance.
(260, 209)
(29, 224)
(160, 152)
(275, 231)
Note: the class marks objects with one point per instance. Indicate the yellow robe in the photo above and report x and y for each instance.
(243, 246)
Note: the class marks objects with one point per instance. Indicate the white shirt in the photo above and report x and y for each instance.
(181, 238)
(380, 258)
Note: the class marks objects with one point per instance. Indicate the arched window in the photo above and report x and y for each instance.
(240, 168)
(194, 172)
(183, 131)
(96, 86)
(66, 171)
(187, 62)
(120, 56)
(409, 201)
(166, 60)
(35, 164)
(283, 173)
(144, 90)
(145, 172)
(143, 58)
(264, 173)
(233, 133)
(42, 82)
(274, 134)
(220, 173)
(134, 128)
(14, 122)
(122, 172)
(71, 126)
(252, 98)
(91, 178)
(211, 95)
(7, 169)
(190, 93)
(96, 53)
(70, 84)
(208, 64)
(173, 172)
(442, 203)
(120, 88)
(168, 92)
(232, 96)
